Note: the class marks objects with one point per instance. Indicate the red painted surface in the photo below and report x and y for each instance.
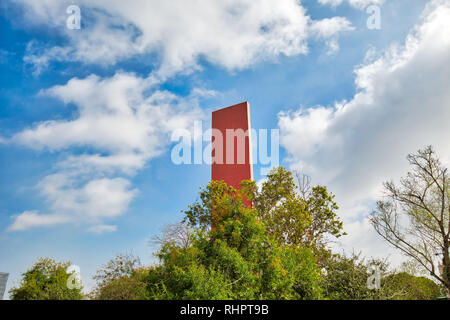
(234, 117)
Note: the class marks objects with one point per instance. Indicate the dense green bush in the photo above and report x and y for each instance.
(236, 260)
(413, 287)
(46, 280)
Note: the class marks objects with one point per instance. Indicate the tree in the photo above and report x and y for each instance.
(325, 223)
(295, 214)
(179, 234)
(122, 278)
(46, 280)
(235, 260)
(347, 278)
(415, 217)
(412, 287)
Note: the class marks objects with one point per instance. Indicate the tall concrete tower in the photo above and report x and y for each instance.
(232, 148)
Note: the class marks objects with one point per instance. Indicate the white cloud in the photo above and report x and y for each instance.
(121, 122)
(359, 4)
(28, 219)
(90, 202)
(402, 104)
(230, 33)
(70, 202)
(329, 30)
(102, 228)
(115, 117)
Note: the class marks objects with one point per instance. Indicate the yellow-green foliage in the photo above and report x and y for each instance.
(413, 287)
(46, 280)
(237, 260)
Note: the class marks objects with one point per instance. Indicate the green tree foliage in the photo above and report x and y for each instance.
(346, 279)
(293, 213)
(122, 278)
(46, 280)
(412, 287)
(238, 259)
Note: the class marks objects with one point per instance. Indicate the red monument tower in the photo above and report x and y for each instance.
(232, 148)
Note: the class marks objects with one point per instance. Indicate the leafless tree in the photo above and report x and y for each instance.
(415, 216)
(121, 265)
(178, 234)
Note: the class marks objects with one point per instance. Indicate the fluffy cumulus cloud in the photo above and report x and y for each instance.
(116, 117)
(90, 203)
(329, 30)
(402, 104)
(359, 4)
(123, 121)
(230, 33)
(28, 219)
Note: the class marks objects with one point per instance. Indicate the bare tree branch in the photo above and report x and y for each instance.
(420, 201)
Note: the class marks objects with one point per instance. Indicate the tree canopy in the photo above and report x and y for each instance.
(238, 259)
(122, 278)
(46, 280)
(294, 213)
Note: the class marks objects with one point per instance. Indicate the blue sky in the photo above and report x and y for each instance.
(117, 88)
